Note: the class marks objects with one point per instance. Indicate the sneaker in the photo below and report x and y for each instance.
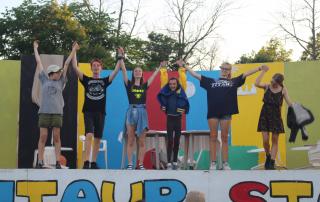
(213, 165)
(94, 165)
(175, 166)
(86, 165)
(129, 167)
(225, 166)
(267, 163)
(169, 166)
(58, 166)
(141, 167)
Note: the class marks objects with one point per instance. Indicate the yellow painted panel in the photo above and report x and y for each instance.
(244, 125)
(85, 68)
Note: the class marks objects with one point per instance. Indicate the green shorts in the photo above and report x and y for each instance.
(50, 120)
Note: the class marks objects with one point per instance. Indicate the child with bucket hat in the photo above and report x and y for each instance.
(50, 112)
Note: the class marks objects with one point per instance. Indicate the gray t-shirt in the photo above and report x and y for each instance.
(51, 94)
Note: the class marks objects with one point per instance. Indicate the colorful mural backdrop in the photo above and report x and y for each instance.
(245, 143)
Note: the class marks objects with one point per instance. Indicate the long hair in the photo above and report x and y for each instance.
(133, 79)
(278, 78)
(175, 79)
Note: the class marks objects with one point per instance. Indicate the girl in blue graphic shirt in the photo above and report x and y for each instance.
(222, 104)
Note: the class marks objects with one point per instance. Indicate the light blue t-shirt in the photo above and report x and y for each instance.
(51, 94)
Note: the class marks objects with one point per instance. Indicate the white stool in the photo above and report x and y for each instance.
(102, 148)
(49, 156)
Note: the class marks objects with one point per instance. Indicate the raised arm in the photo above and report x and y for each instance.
(115, 71)
(123, 66)
(153, 76)
(252, 71)
(37, 56)
(286, 96)
(75, 47)
(76, 68)
(258, 83)
(124, 72)
(118, 65)
(193, 73)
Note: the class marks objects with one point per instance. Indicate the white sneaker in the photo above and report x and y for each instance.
(169, 166)
(129, 167)
(141, 167)
(213, 165)
(225, 166)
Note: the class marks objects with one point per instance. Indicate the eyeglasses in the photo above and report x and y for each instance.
(225, 69)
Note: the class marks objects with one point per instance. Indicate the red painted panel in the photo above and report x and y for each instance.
(157, 118)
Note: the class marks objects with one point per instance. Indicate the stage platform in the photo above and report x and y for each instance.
(72, 185)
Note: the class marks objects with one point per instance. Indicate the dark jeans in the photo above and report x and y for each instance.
(173, 135)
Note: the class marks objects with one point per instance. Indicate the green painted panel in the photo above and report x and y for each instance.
(239, 158)
(9, 112)
(301, 79)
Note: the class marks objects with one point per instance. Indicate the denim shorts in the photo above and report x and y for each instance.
(137, 116)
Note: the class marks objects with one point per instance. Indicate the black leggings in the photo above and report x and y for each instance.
(173, 125)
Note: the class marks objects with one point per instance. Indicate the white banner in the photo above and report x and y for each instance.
(157, 186)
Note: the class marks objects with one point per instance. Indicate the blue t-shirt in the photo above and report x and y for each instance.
(222, 95)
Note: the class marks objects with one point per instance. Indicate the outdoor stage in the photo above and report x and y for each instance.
(157, 185)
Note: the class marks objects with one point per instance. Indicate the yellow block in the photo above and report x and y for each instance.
(136, 191)
(244, 125)
(35, 190)
(107, 191)
(85, 68)
(292, 190)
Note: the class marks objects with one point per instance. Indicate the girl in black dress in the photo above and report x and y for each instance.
(270, 120)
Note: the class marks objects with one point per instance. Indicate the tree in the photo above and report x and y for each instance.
(303, 14)
(100, 30)
(273, 51)
(306, 54)
(189, 35)
(57, 26)
(161, 47)
(121, 22)
(50, 23)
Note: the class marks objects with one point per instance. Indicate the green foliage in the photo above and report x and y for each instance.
(50, 23)
(306, 54)
(273, 51)
(57, 26)
(160, 48)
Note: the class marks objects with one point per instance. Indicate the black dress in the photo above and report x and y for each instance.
(270, 117)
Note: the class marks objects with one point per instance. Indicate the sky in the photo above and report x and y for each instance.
(246, 27)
